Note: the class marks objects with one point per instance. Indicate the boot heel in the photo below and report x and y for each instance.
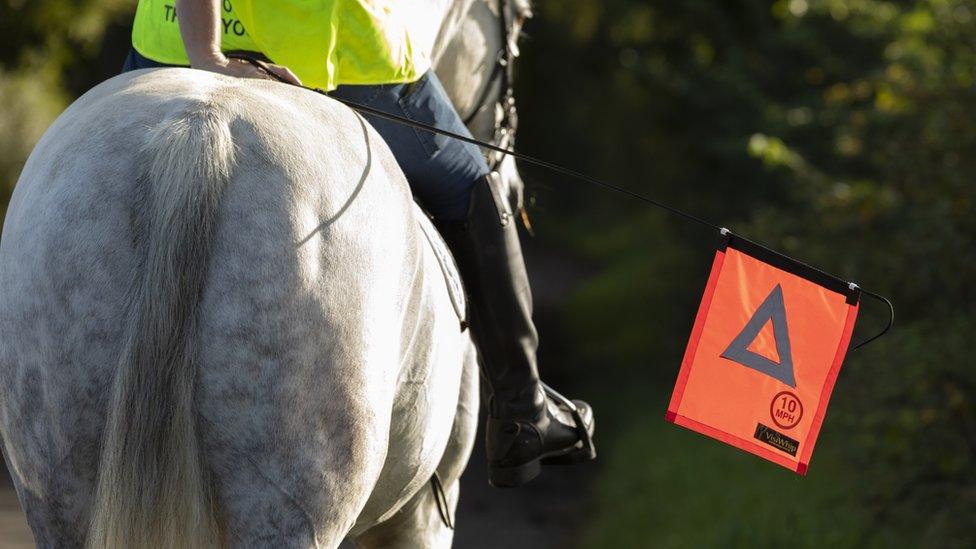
(511, 477)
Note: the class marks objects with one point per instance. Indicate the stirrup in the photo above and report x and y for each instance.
(588, 451)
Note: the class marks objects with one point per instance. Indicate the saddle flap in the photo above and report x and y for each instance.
(452, 278)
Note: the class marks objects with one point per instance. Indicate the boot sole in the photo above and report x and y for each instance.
(577, 455)
(518, 475)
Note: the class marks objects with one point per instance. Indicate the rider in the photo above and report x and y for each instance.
(378, 53)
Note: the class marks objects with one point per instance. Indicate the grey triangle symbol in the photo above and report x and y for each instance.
(772, 309)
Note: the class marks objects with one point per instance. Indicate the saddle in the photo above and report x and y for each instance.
(452, 277)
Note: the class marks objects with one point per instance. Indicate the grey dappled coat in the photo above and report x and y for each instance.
(244, 262)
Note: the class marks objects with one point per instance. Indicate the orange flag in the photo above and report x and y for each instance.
(767, 345)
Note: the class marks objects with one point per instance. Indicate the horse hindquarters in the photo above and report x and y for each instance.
(99, 277)
(300, 335)
(264, 343)
(152, 487)
(296, 353)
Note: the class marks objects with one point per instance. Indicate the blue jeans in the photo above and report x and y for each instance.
(441, 171)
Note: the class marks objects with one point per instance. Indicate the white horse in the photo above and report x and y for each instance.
(224, 322)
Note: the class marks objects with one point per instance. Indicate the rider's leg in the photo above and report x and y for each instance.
(525, 428)
(441, 171)
(451, 180)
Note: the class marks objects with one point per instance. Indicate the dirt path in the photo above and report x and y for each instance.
(544, 514)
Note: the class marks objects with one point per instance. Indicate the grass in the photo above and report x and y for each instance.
(666, 487)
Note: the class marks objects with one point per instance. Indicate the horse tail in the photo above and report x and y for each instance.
(153, 488)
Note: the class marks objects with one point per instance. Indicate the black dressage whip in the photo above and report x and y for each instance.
(365, 109)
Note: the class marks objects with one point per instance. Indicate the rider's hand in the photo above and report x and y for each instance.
(200, 28)
(242, 69)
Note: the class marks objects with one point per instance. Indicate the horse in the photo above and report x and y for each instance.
(225, 322)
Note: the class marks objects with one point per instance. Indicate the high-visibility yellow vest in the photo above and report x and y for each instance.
(325, 42)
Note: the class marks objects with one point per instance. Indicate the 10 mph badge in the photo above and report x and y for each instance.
(786, 410)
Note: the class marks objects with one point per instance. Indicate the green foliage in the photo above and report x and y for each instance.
(54, 28)
(837, 131)
(31, 102)
(42, 45)
(674, 488)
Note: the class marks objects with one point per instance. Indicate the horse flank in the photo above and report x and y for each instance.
(153, 489)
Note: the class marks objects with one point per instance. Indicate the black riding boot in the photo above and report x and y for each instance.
(529, 424)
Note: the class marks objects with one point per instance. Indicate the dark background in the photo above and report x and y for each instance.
(841, 132)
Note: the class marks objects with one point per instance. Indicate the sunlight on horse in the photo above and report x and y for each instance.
(228, 324)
